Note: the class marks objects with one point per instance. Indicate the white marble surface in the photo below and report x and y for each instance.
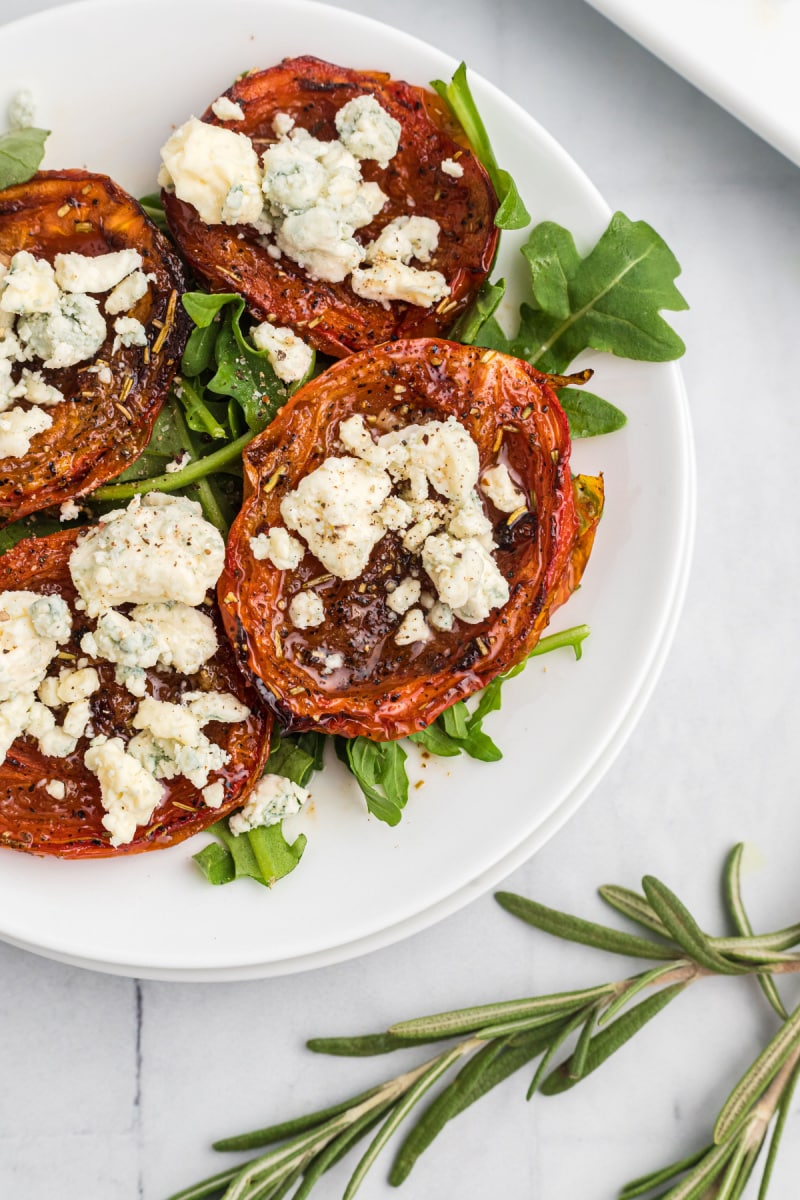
(113, 1089)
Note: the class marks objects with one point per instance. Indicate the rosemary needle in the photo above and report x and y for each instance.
(500, 1039)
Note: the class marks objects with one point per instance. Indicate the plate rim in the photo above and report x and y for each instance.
(646, 676)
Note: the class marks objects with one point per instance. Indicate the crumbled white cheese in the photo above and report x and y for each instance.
(452, 168)
(498, 485)
(367, 130)
(21, 110)
(118, 639)
(282, 123)
(213, 794)
(289, 356)
(29, 285)
(405, 238)
(48, 691)
(172, 743)
(272, 799)
(404, 595)
(215, 706)
(465, 576)
(321, 242)
(128, 791)
(185, 637)
(17, 429)
(283, 551)
(306, 610)
(55, 788)
(468, 520)
(102, 371)
(10, 345)
(335, 509)
(390, 280)
(77, 685)
(443, 450)
(225, 109)
(390, 277)
(50, 616)
(52, 739)
(328, 662)
(243, 200)
(316, 200)
(203, 163)
(69, 332)
(127, 293)
(441, 617)
(34, 388)
(77, 718)
(178, 464)
(413, 628)
(168, 550)
(13, 718)
(69, 511)
(130, 332)
(95, 272)
(30, 633)
(167, 720)
(342, 512)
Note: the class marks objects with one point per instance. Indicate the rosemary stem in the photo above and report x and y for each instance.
(764, 1110)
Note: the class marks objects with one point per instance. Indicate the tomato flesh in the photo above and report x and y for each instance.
(32, 820)
(385, 691)
(330, 315)
(100, 428)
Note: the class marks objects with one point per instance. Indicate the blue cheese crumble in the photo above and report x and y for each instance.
(421, 480)
(309, 197)
(157, 549)
(273, 798)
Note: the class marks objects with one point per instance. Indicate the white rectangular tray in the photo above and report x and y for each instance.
(742, 53)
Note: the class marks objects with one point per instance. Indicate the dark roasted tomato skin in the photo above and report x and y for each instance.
(100, 428)
(31, 820)
(385, 691)
(330, 315)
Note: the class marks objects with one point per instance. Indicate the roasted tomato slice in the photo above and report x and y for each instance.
(330, 315)
(100, 428)
(30, 819)
(382, 690)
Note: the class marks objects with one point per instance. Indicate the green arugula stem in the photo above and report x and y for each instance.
(211, 509)
(193, 473)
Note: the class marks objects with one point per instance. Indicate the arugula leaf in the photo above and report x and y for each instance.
(589, 415)
(35, 525)
(262, 854)
(199, 416)
(379, 770)
(242, 371)
(492, 337)
(154, 209)
(610, 300)
(296, 758)
(436, 741)
(199, 353)
(469, 325)
(457, 730)
(512, 213)
(203, 307)
(21, 152)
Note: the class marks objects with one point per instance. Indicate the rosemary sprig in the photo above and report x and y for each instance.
(497, 1040)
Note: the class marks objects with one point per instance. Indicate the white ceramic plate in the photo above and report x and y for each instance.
(742, 53)
(135, 68)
